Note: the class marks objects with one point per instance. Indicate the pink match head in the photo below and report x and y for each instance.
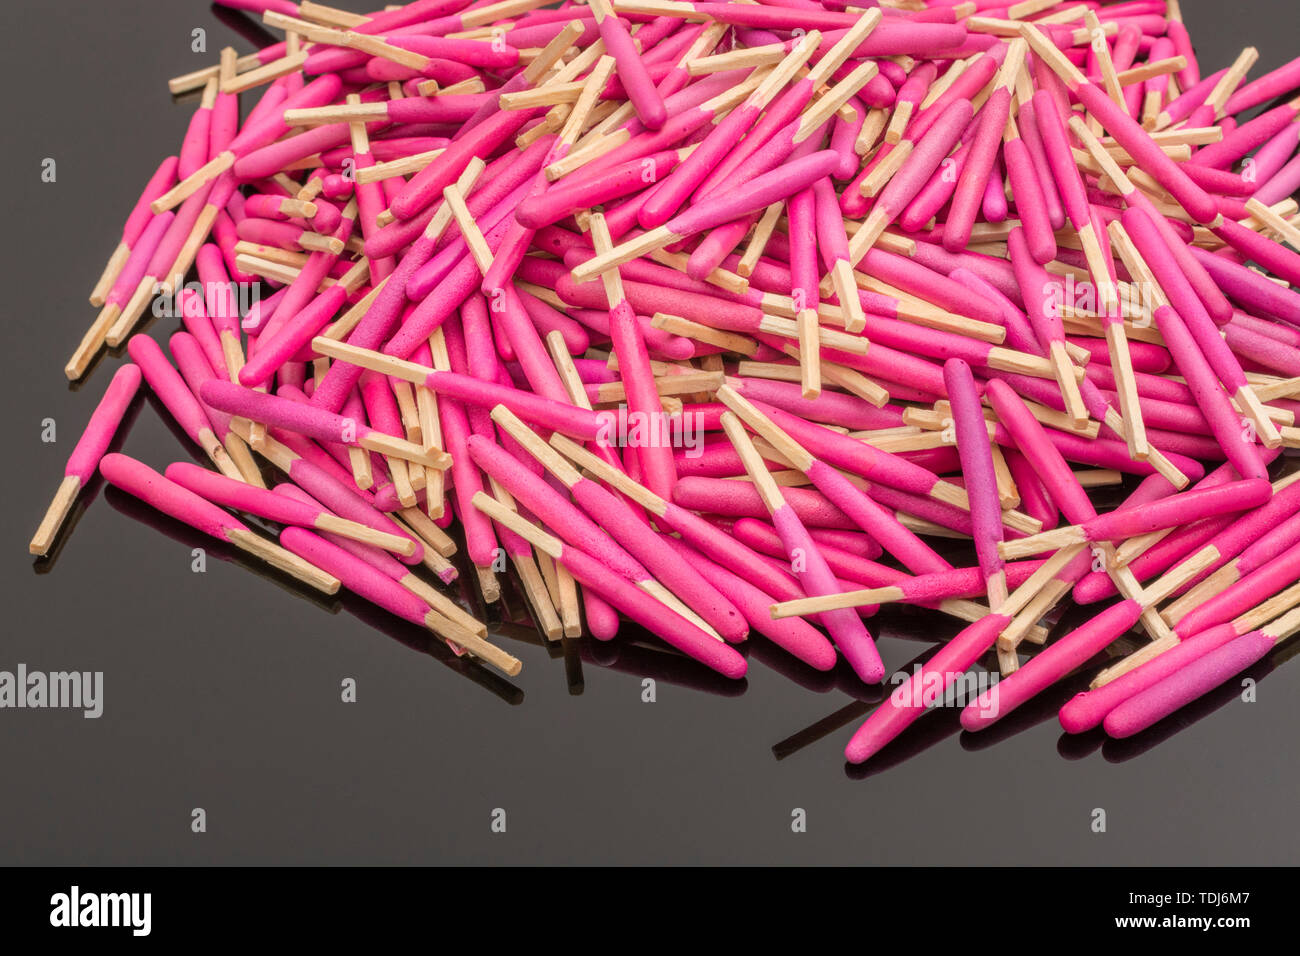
(1148, 154)
(1087, 710)
(540, 412)
(650, 613)
(225, 123)
(975, 449)
(234, 494)
(357, 575)
(909, 701)
(194, 148)
(141, 255)
(756, 194)
(272, 410)
(694, 588)
(271, 126)
(381, 404)
(1181, 688)
(141, 215)
(269, 232)
(1051, 127)
(196, 369)
(846, 627)
(168, 385)
(649, 105)
(793, 634)
(553, 508)
(168, 497)
(1045, 669)
(101, 428)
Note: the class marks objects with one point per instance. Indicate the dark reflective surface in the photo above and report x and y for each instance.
(222, 689)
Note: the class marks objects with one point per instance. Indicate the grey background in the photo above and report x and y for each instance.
(222, 689)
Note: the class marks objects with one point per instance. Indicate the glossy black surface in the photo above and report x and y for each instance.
(222, 690)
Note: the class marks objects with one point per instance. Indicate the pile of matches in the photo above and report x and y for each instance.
(725, 316)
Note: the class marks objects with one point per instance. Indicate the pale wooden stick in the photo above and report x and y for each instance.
(283, 560)
(570, 611)
(744, 58)
(55, 516)
(730, 341)
(1229, 82)
(758, 241)
(530, 578)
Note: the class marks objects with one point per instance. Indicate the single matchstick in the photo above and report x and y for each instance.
(86, 455)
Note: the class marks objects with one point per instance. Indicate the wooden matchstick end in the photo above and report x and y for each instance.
(443, 605)
(91, 342)
(398, 471)
(193, 183)
(473, 644)
(312, 242)
(217, 453)
(1258, 416)
(55, 516)
(426, 530)
(1021, 522)
(347, 113)
(1278, 604)
(1121, 361)
(397, 543)
(1189, 568)
(1151, 110)
(997, 590)
(400, 448)
(111, 271)
(130, 314)
(1046, 541)
(445, 571)
(1133, 661)
(488, 585)
(283, 560)
(868, 233)
(879, 176)
(845, 287)
(569, 606)
(632, 249)
(417, 476)
(802, 607)
(1066, 377)
(1123, 555)
(546, 618)
(1043, 579)
(1215, 584)
(1008, 661)
(1051, 55)
(898, 121)
(362, 471)
(240, 454)
(675, 604)
(951, 494)
(1167, 469)
(810, 373)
